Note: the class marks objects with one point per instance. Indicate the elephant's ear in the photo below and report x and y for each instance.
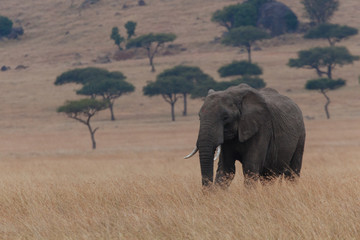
(253, 114)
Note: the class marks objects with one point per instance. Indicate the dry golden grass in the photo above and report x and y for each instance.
(136, 184)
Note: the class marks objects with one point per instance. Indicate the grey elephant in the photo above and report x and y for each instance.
(262, 129)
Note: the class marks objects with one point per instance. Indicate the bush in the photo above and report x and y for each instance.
(5, 26)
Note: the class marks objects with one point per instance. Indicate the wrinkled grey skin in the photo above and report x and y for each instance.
(262, 129)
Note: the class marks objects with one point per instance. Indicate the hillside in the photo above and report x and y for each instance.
(136, 185)
(57, 38)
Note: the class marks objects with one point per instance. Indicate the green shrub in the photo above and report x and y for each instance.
(5, 26)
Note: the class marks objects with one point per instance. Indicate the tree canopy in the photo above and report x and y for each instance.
(323, 84)
(245, 37)
(87, 107)
(248, 71)
(239, 68)
(83, 110)
(320, 11)
(323, 59)
(151, 42)
(332, 32)
(81, 75)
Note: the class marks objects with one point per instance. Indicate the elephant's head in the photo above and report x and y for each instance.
(235, 114)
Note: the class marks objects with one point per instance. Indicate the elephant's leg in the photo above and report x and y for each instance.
(225, 172)
(252, 164)
(296, 161)
(254, 158)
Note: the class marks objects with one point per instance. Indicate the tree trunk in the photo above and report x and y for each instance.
(248, 48)
(172, 111)
(152, 64)
(111, 105)
(151, 58)
(326, 104)
(185, 105)
(92, 134)
(329, 72)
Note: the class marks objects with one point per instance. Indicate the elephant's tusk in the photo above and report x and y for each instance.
(218, 151)
(192, 153)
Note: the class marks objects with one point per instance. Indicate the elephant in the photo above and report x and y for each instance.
(262, 129)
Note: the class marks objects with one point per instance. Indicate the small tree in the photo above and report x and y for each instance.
(5, 26)
(320, 11)
(332, 32)
(118, 39)
(170, 88)
(323, 59)
(323, 85)
(130, 29)
(245, 37)
(109, 89)
(98, 82)
(82, 111)
(151, 42)
(190, 77)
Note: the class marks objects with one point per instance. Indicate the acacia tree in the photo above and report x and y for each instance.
(190, 77)
(245, 37)
(82, 111)
(168, 88)
(332, 32)
(118, 39)
(323, 85)
(323, 59)
(98, 82)
(130, 28)
(320, 11)
(109, 89)
(151, 42)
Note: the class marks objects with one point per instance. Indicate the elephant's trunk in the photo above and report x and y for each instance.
(207, 164)
(209, 139)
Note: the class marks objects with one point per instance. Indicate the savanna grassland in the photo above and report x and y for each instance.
(136, 184)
